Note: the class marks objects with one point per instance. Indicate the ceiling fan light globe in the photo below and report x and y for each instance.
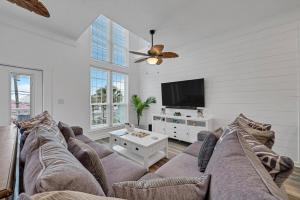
(152, 60)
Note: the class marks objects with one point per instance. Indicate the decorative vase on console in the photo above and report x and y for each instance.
(200, 113)
(163, 110)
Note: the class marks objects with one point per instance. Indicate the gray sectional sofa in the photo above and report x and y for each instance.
(236, 172)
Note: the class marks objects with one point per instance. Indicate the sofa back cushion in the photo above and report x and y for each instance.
(44, 132)
(90, 160)
(236, 175)
(52, 167)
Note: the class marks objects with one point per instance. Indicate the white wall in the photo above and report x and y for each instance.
(65, 67)
(256, 73)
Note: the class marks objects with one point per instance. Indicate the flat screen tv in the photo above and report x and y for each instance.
(183, 94)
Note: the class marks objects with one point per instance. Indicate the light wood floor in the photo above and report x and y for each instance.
(292, 185)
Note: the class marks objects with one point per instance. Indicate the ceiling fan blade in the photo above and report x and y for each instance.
(169, 55)
(33, 6)
(138, 53)
(156, 49)
(160, 60)
(141, 60)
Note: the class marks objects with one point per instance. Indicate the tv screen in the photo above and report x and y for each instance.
(183, 94)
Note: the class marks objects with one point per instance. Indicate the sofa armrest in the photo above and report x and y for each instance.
(202, 135)
(77, 130)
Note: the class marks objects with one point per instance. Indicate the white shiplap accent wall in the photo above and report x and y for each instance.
(256, 74)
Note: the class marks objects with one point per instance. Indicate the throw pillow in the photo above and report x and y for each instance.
(175, 188)
(27, 125)
(66, 195)
(66, 130)
(206, 151)
(90, 160)
(77, 130)
(279, 167)
(243, 120)
(260, 131)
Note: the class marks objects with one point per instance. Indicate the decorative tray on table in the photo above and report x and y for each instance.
(140, 134)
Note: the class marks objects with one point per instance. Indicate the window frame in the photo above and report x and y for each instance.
(109, 103)
(111, 45)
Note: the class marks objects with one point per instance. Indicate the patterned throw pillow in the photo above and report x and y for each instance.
(279, 167)
(244, 121)
(27, 125)
(90, 160)
(173, 188)
(260, 131)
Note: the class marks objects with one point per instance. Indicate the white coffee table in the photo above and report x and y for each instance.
(145, 151)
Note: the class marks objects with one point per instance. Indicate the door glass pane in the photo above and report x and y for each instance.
(20, 97)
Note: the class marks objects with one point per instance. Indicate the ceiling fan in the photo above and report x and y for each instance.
(33, 6)
(155, 54)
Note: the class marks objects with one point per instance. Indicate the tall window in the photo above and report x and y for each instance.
(109, 102)
(99, 98)
(109, 42)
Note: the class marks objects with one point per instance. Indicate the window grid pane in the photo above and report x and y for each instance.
(99, 99)
(100, 39)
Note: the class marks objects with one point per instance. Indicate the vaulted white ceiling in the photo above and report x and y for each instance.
(176, 21)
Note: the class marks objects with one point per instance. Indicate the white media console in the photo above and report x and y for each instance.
(181, 128)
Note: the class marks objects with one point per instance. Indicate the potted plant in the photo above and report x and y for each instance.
(139, 105)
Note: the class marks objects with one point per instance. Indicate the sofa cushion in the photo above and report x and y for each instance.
(236, 175)
(52, 167)
(66, 130)
(89, 159)
(194, 148)
(41, 134)
(260, 131)
(83, 138)
(181, 165)
(206, 151)
(101, 149)
(279, 167)
(120, 169)
(175, 188)
(64, 195)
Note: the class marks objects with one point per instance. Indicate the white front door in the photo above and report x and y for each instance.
(21, 93)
